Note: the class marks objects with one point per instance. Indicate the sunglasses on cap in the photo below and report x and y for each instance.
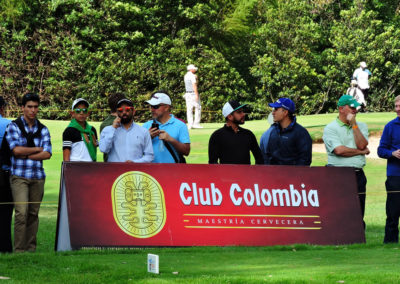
(81, 110)
(157, 106)
(121, 109)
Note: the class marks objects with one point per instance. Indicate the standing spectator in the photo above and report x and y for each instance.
(357, 94)
(112, 104)
(346, 142)
(170, 136)
(361, 75)
(6, 205)
(80, 138)
(232, 144)
(192, 98)
(286, 142)
(124, 140)
(30, 144)
(389, 148)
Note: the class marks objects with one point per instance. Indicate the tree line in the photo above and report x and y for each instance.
(250, 50)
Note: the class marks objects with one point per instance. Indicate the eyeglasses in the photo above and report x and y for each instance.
(157, 106)
(121, 109)
(81, 110)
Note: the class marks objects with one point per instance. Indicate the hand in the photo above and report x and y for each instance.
(164, 136)
(154, 132)
(396, 154)
(351, 118)
(129, 161)
(365, 151)
(117, 122)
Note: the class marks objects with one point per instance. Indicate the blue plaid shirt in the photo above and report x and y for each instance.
(27, 168)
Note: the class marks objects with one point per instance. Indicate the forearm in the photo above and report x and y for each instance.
(25, 151)
(66, 155)
(182, 148)
(359, 138)
(344, 151)
(44, 155)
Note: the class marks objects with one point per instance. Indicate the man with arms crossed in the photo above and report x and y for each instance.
(30, 144)
(124, 140)
(232, 144)
(166, 131)
(286, 142)
(346, 142)
(389, 148)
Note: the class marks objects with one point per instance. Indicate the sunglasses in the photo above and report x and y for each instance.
(157, 106)
(79, 110)
(121, 109)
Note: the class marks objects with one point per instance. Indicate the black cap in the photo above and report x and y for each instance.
(125, 101)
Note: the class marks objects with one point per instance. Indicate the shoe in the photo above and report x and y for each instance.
(197, 126)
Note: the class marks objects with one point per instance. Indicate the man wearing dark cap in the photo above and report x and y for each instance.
(286, 142)
(124, 140)
(6, 205)
(232, 144)
(30, 144)
(346, 142)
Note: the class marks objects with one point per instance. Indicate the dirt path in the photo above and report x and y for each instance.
(373, 144)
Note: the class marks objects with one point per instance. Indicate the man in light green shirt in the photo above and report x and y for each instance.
(346, 142)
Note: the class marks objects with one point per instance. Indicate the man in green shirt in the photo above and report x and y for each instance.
(112, 103)
(346, 142)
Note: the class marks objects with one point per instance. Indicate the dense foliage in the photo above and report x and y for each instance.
(251, 50)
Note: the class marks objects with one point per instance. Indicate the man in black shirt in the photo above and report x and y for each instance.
(232, 144)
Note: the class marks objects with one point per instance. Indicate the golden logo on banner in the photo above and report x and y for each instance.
(138, 204)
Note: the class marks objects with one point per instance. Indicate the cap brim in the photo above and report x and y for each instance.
(153, 102)
(275, 105)
(239, 107)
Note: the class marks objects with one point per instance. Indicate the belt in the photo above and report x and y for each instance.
(189, 92)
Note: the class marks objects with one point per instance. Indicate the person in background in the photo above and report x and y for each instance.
(346, 142)
(112, 104)
(79, 138)
(192, 98)
(170, 136)
(286, 142)
(30, 143)
(6, 205)
(357, 94)
(389, 148)
(232, 144)
(361, 75)
(124, 140)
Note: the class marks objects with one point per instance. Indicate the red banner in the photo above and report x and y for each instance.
(123, 204)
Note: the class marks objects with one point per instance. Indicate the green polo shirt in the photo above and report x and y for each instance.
(337, 134)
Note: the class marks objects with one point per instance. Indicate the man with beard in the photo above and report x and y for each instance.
(232, 144)
(124, 140)
(286, 142)
(169, 135)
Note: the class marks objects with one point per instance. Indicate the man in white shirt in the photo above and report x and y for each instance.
(124, 140)
(361, 75)
(192, 98)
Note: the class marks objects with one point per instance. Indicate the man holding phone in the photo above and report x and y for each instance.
(124, 140)
(170, 136)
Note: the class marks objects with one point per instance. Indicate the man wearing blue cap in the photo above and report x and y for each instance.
(286, 142)
(232, 144)
(346, 142)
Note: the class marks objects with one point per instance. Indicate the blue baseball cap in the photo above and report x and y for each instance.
(286, 103)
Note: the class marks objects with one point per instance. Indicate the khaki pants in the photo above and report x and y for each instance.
(26, 220)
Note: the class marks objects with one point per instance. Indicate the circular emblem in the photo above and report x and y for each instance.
(138, 204)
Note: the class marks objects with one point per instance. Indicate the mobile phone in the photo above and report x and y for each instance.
(155, 125)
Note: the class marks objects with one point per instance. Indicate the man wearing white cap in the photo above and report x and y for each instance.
(124, 140)
(361, 75)
(192, 98)
(170, 136)
(357, 94)
(232, 144)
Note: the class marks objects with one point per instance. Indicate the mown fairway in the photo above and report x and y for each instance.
(372, 262)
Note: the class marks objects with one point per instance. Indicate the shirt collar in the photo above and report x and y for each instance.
(341, 123)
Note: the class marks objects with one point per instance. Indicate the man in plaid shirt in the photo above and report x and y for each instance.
(30, 144)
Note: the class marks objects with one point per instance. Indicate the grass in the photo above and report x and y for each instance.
(372, 262)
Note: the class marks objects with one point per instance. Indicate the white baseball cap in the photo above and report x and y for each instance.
(191, 66)
(363, 64)
(78, 101)
(159, 98)
(230, 107)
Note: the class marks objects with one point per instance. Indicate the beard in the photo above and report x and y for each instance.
(238, 122)
(125, 119)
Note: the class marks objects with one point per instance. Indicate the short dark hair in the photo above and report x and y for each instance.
(30, 97)
(113, 100)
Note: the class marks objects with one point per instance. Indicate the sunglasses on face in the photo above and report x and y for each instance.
(81, 110)
(121, 109)
(157, 106)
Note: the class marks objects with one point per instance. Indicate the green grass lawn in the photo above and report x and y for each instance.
(372, 262)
